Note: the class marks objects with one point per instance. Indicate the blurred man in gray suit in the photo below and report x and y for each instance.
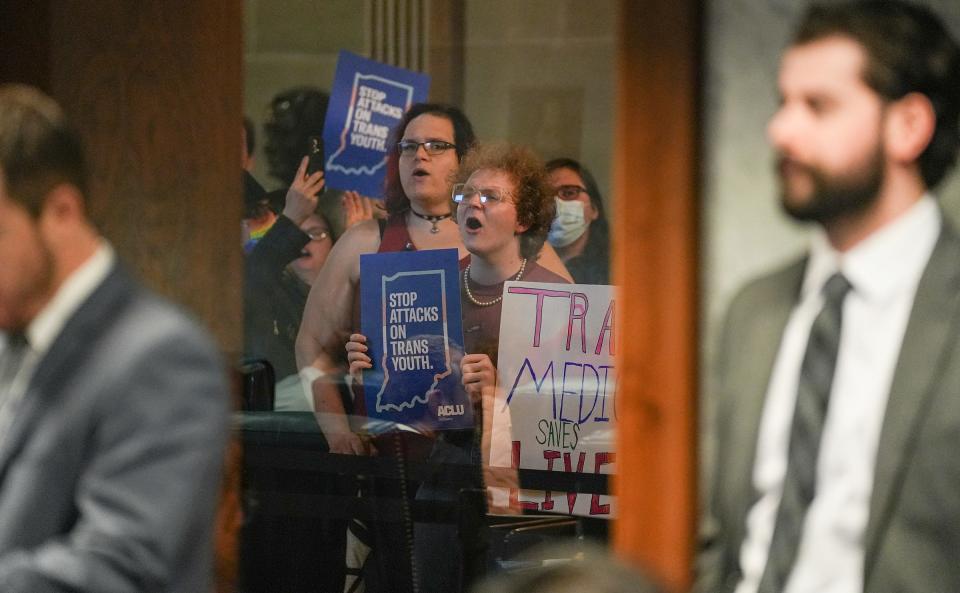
(113, 406)
(837, 419)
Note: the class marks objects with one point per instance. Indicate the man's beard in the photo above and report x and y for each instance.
(17, 313)
(836, 196)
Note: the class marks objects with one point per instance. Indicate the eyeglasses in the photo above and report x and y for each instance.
(463, 194)
(317, 234)
(570, 192)
(433, 147)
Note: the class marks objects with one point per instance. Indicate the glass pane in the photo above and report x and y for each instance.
(332, 491)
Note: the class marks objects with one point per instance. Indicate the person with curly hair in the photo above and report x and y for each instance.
(504, 208)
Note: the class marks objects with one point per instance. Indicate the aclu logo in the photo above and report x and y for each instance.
(449, 410)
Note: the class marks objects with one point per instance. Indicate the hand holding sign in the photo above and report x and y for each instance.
(479, 376)
(357, 356)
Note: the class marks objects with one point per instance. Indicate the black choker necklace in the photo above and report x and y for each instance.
(433, 219)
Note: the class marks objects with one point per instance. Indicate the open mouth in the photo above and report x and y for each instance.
(420, 173)
(304, 253)
(473, 223)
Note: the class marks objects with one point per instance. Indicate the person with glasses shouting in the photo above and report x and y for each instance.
(504, 207)
(580, 232)
(430, 139)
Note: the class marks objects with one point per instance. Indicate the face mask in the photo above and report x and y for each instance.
(569, 224)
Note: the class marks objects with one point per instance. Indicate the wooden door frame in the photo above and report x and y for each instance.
(656, 230)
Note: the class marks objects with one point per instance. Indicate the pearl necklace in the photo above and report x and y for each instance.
(432, 218)
(466, 285)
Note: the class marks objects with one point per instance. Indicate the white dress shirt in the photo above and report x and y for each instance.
(884, 271)
(46, 326)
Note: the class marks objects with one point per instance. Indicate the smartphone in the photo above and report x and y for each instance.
(315, 152)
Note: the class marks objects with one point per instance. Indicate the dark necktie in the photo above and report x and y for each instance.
(813, 397)
(11, 363)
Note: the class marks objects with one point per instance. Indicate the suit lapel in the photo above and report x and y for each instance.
(930, 330)
(756, 350)
(75, 342)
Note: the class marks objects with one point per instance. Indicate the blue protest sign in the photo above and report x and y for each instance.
(366, 103)
(410, 314)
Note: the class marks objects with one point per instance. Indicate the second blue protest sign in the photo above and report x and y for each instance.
(410, 313)
(367, 102)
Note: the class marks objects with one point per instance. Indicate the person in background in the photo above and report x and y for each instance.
(279, 272)
(287, 242)
(580, 232)
(434, 137)
(504, 207)
(258, 217)
(293, 117)
(296, 117)
(113, 404)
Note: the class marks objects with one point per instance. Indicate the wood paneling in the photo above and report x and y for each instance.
(655, 263)
(155, 89)
(24, 42)
(445, 51)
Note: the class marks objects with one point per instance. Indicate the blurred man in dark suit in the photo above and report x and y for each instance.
(838, 378)
(113, 406)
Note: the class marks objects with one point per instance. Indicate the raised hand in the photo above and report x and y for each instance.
(357, 208)
(301, 200)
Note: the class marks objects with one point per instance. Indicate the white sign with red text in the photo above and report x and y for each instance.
(554, 408)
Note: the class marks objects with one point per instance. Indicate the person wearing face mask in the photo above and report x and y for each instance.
(579, 232)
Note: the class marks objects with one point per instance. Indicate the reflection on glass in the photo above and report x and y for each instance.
(394, 509)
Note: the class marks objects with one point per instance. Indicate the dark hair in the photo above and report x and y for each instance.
(908, 50)
(295, 115)
(597, 248)
(38, 148)
(395, 199)
(250, 135)
(533, 197)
